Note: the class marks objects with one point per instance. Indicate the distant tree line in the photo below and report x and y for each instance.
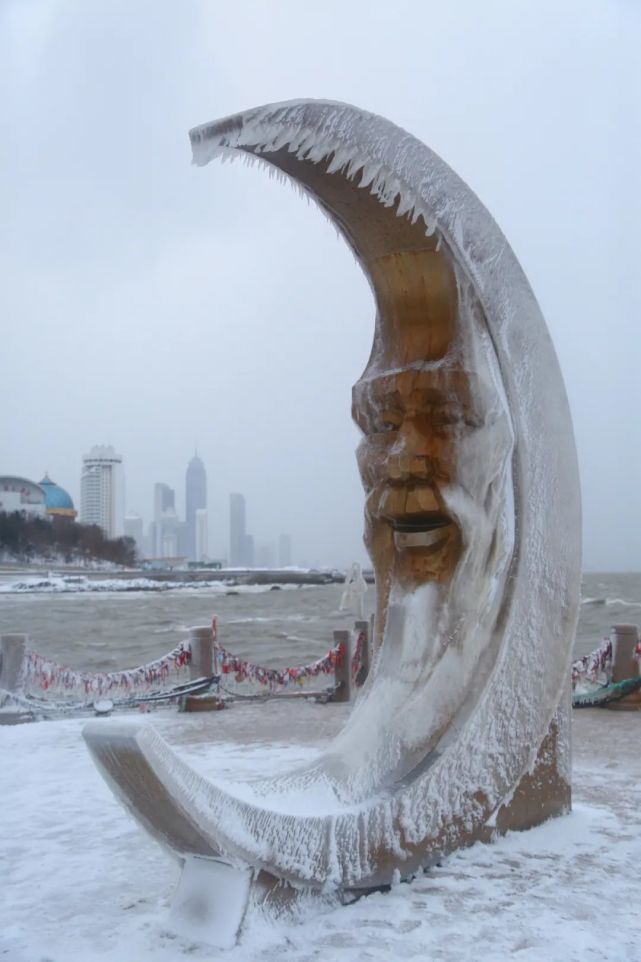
(25, 537)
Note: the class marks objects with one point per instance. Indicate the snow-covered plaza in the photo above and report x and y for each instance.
(81, 882)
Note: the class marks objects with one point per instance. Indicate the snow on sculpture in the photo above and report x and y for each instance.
(472, 523)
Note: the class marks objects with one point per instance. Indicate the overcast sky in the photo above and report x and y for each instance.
(152, 305)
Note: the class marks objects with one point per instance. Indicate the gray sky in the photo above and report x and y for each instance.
(151, 305)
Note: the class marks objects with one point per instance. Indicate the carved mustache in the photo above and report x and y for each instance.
(407, 506)
(395, 469)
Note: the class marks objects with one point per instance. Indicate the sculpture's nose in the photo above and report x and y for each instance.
(411, 456)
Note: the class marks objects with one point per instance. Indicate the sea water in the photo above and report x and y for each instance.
(280, 628)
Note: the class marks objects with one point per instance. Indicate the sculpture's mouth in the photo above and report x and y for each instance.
(427, 531)
(415, 516)
(420, 522)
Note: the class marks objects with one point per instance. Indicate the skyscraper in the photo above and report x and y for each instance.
(133, 529)
(102, 490)
(164, 499)
(165, 530)
(202, 526)
(247, 555)
(237, 536)
(195, 500)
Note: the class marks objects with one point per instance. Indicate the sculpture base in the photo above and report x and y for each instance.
(214, 899)
(210, 902)
(545, 791)
(542, 793)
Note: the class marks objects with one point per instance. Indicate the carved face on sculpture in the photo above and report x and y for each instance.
(405, 460)
(437, 439)
(419, 419)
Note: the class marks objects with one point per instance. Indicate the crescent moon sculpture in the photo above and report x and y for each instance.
(472, 523)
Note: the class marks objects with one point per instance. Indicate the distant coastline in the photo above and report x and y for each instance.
(42, 577)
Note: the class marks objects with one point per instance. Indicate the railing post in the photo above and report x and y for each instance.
(624, 640)
(343, 674)
(362, 627)
(202, 655)
(12, 655)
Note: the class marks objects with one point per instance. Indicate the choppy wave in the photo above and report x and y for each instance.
(611, 602)
(271, 618)
(172, 629)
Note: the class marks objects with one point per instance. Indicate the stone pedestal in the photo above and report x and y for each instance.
(344, 667)
(202, 648)
(624, 640)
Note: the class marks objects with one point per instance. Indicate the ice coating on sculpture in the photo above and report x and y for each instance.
(472, 523)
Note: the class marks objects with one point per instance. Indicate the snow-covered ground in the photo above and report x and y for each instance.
(81, 882)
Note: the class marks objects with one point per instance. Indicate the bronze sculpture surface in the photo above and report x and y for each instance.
(472, 523)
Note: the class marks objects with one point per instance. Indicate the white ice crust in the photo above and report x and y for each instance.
(461, 694)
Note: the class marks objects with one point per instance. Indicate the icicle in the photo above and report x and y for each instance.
(274, 131)
(319, 152)
(368, 175)
(405, 204)
(280, 139)
(353, 167)
(340, 159)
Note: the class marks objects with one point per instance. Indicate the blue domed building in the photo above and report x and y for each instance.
(58, 502)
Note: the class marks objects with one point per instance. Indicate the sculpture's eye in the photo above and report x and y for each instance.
(388, 421)
(441, 417)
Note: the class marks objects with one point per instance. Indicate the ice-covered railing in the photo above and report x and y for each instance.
(274, 678)
(595, 666)
(349, 648)
(26, 675)
(42, 676)
(29, 679)
(611, 672)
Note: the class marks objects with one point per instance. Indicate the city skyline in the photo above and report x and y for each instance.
(166, 534)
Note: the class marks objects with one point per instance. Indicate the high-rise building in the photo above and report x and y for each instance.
(236, 529)
(102, 490)
(164, 500)
(133, 529)
(166, 532)
(183, 539)
(202, 526)
(168, 536)
(247, 556)
(195, 500)
(284, 551)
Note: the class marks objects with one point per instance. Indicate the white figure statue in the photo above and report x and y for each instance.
(354, 592)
